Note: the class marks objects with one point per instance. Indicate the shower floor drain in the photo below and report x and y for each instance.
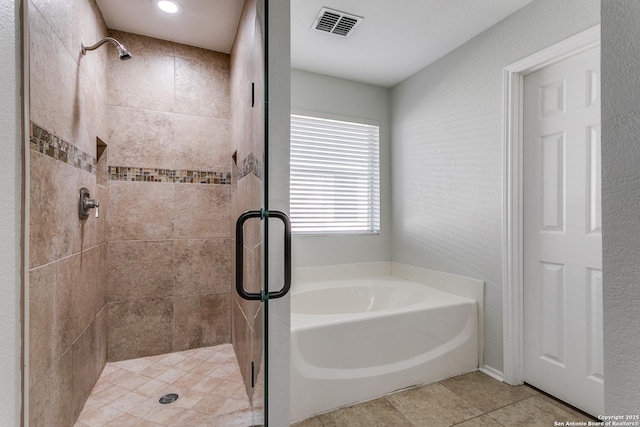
(168, 398)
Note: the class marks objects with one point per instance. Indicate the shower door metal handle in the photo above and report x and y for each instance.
(287, 253)
(262, 295)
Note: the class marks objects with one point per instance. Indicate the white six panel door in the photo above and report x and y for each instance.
(562, 232)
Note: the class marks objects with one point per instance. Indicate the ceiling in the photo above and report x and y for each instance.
(395, 39)
(209, 24)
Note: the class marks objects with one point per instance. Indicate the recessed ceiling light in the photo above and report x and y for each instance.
(168, 6)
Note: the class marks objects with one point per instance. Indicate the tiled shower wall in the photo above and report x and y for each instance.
(169, 247)
(247, 124)
(67, 270)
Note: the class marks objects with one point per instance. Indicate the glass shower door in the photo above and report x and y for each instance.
(250, 207)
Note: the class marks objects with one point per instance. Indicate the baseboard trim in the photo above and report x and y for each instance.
(492, 372)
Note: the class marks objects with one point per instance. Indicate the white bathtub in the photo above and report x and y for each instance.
(353, 340)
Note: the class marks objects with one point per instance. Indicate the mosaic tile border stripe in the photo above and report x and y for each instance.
(44, 142)
(137, 174)
(251, 164)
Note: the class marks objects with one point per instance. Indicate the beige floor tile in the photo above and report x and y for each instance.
(133, 365)
(222, 358)
(101, 416)
(532, 412)
(109, 368)
(204, 368)
(222, 371)
(209, 405)
(146, 409)
(375, 413)
(150, 388)
(432, 405)
(165, 413)
(171, 375)
(128, 401)
(188, 380)
(126, 379)
(207, 385)
(309, 422)
(484, 392)
(172, 359)
(189, 398)
(188, 418)
(125, 420)
(101, 384)
(92, 404)
(155, 370)
(110, 394)
(482, 421)
(204, 354)
(226, 388)
(230, 406)
(188, 364)
(236, 419)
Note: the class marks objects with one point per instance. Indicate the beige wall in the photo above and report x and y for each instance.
(169, 258)
(247, 124)
(67, 287)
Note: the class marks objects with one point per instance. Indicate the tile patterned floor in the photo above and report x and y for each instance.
(212, 394)
(207, 380)
(470, 400)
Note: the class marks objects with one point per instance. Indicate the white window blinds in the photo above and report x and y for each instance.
(335, 176)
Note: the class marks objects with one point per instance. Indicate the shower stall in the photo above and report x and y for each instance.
(160, 154)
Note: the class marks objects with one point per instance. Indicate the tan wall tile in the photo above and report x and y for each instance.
(143, 46)
(139, 210)
(141, 138)
(145, 81)
(201, 143)
(54, 224)
(202, 85)
(52, 82)
(202, 320)
(201, 211)
(202, 266)
(89, 290)
(42, 284)
(86, 360)
(140, 269)
(49, 402)
(140, 328)
(242, 344)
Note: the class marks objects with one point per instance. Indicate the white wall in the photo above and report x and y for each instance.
(10, 223)
(620, 208)
(447, 151)
(324, 94)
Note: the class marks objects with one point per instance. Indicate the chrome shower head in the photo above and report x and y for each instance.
(124, 53)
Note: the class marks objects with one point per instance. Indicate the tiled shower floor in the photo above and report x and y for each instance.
(207, 380)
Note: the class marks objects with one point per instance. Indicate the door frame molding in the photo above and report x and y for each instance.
(512, 247)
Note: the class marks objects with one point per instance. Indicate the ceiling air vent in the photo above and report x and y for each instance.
(336, 22)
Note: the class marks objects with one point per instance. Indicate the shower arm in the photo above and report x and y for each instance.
(85, 48)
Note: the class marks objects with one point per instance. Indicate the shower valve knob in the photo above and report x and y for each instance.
(85, 203)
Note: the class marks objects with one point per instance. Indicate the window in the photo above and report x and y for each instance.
(335, 176)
